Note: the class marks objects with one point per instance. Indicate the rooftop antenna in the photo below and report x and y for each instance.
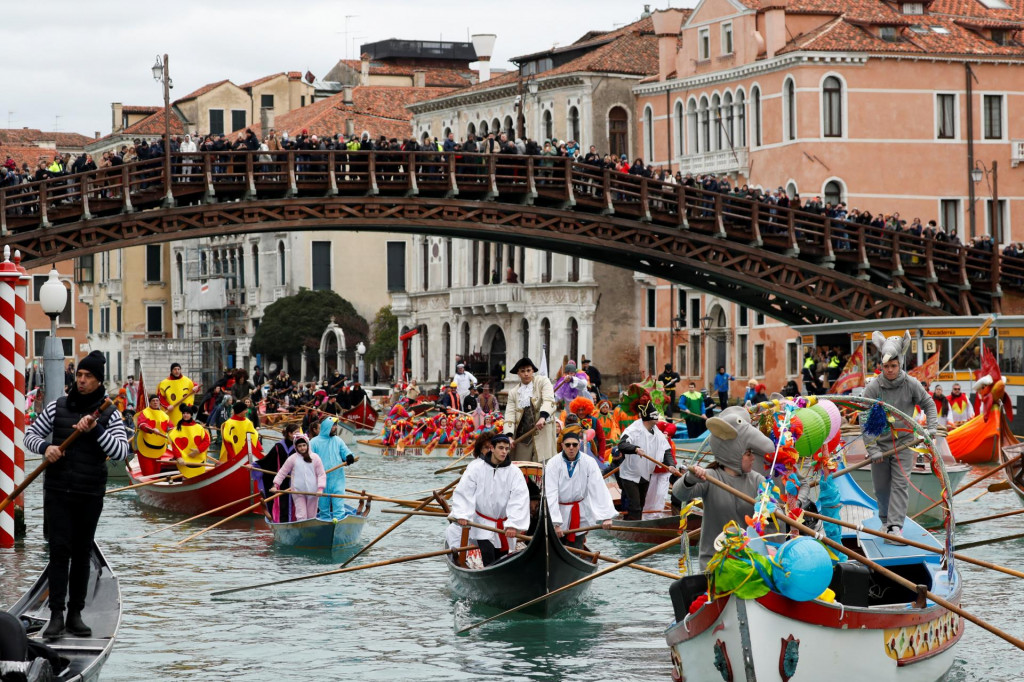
(10, 118)
(354, 39)
(347, 17)
(56, 123)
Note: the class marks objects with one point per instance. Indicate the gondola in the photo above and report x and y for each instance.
(319, 535)
(1011, 447)
(416, 451)
(227, 482)
(977, 440)
(543, 566)
(102, 612)
(651, 530)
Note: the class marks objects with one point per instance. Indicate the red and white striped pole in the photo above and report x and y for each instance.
(10, 277)
(20, 373)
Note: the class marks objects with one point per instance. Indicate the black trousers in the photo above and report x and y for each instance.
(577, 543)
(489, 553)
(636, 493)
(72, 520)
(723, 399)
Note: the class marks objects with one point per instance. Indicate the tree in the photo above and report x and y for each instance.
(384, 332)
(299, 321)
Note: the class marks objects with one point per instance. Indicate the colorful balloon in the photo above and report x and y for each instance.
(804, 569)
(815, 429)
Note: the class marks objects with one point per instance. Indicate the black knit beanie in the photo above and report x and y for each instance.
(94, 363)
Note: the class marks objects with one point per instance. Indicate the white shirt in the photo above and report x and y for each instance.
(463, 382)
(586, 486)
(654, 443)
(495, 492)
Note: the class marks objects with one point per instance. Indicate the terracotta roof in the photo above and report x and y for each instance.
(596, 38)
(436, 77)
(26, 136)
(865, 8)
(25, 154)
(202, 91)
(380, 110)
(138, 109)
(260, 81)
(154, 125)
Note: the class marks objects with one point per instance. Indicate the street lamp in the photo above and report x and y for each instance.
(360, 352)
(995, 221)
(705, 324)
(53, 297)
(162, 74)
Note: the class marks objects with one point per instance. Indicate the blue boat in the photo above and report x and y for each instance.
(318, 534)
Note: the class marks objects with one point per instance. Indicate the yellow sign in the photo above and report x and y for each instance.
(866, 336)
(810, 339)
(1017, 333)
(956, 376)
(955, 331)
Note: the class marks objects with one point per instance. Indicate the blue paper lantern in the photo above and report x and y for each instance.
(806, 569)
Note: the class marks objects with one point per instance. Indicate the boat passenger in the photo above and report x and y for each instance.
(151, 427)
(176, 390)
(238, 435)
(333, 452)
(960, 407)
(307, 474)
(273, 462)
(639, 439)
(736, 444)
(188, 443)
(491, 492)
(894, 387)
(576, 493)
(530, 405)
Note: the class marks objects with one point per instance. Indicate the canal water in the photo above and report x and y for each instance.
(399, 622)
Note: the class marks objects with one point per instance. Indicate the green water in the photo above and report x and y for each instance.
(399, 622)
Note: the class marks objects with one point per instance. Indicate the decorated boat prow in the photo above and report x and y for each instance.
(225, 483)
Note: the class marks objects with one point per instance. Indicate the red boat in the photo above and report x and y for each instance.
(362, 417)
(225, 483)
(977, 440)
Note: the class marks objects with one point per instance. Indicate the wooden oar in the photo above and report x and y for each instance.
(870, 460)
(396, 524)
(375, 564)
(979, 479)
(198, 516)
(610, 472)
(158, 478)
(625, 529)
(878, 568)
(343, 464)
(229, 518)
(448, 468)
(997, 487)
(1015, 512)
(20, 488)
(980, 543)
(191, 392)
(593, 576)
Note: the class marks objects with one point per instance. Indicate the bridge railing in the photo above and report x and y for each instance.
(877, 253)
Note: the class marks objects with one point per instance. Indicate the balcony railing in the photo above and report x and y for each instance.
(490, 298)
(735, 160)
(1016, 152)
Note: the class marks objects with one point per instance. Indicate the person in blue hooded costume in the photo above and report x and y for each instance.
(332, 451)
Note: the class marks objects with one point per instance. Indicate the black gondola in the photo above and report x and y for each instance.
(102, 612)
(542, 567)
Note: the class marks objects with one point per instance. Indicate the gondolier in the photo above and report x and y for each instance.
(575, 491)
(75, 483)
(177, 389)
(529, 406)
(493, 493)
(895, 388)
(642, 438)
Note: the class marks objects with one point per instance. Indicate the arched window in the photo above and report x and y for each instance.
(180, 266)
(574, 339)
(447, 132)
(574, 124)
(549, 126)
(741, 119)
(216, 262)
(755, 103)
(705, 125)
(545, 336)
(791, 190)
(465, 339)
(834, 192)
(716, 121)
(789, 109)
(240, 265)
(470, 129)
(510, 128)
(483, 128)
(496, 127)
(832, 107)
(693, 126)
(679, 129)
(618, 132)
(203, 265)
(524, 337)
(648, 134)
(281, 274)
(255, 265)
(424, 352)
(728, 121)
(446, 346)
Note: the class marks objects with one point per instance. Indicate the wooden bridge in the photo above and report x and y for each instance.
(794, 266)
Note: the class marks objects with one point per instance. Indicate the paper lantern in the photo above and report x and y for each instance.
(835, 417)
(805, 569)
(815, 429)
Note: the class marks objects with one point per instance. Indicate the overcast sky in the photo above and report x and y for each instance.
(72, 58)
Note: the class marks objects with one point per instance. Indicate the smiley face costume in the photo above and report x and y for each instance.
(150, 446)
(171, 390)
(239, 436)
(189, 441)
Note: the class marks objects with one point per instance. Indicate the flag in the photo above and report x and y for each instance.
(853, 374)
(543, 361)
(928, 372)
(141, 400)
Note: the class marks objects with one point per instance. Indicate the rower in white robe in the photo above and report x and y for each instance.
(493, 493)
(644, 446)
(575, 491)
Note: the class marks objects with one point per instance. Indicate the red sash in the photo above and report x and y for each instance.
(574, 517)
(500, 525)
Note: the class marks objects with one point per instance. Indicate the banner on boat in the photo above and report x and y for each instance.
(853, 374)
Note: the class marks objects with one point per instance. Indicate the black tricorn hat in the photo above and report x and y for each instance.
(525, 362)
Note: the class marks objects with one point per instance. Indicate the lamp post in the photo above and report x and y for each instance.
(162, 74)
(705, 327)
(53, 297)
(360, 352)
(995, 218)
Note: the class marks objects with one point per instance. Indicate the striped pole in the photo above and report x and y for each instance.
(9, 278)
(20, 370)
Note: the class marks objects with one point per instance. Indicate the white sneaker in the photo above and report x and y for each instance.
(895, 531)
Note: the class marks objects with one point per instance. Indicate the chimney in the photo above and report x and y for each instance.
(346, 95)
(774, 27)
(419, 78)
(96, 135)
(115, 111)
(483, 45)
(350, 127)
(666, 26)
(364, 71)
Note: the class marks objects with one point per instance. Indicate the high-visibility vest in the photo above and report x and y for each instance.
(833, 362)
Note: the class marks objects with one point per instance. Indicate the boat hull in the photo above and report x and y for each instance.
(228, 482)
(102, 612)
(925, 490)
(646, 530)
(417, 451)
(865, 644)
(544, 566)
(316, 534)
(977, 441)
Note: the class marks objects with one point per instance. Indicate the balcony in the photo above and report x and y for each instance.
(735, 160)
(1016, 152)
(488, 298)
(114, 289)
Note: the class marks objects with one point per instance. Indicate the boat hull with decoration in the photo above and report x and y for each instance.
(417, 451)
(228, 482)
